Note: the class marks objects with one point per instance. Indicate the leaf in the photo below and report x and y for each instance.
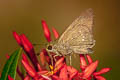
(11, 66)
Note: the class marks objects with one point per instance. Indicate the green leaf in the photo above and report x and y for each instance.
(11, 66)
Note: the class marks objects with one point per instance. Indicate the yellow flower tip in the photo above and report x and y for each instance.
(52, 72)
(51, 67)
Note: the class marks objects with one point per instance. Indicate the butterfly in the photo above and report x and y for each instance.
(77, 38)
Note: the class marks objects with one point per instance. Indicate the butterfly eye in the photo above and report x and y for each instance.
(49, 47)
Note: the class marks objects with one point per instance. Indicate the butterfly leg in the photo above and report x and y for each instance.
(54, 57)
(70, 60)
(51, 58)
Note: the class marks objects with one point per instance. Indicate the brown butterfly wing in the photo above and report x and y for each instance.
(78, 36)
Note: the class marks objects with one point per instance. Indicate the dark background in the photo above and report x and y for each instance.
(24, 16)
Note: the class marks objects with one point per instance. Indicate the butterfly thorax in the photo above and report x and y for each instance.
(59, 49)
(63, 49)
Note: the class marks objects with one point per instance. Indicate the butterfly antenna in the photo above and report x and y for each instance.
(37, 44)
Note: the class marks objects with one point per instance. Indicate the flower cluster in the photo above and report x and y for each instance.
(59, 70)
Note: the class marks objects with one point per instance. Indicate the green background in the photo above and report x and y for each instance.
(24, 16)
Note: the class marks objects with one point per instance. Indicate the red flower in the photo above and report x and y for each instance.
(56, 34)
(89, 70)
(28, 48)
(63, 73)
(46, 31)
(59, 70)
(102, 71)
(17, 38)
(83, 63)
(45, 74)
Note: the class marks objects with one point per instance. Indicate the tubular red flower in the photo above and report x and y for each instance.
(59, 61)
(90, 69)
(17, 38)
(83, 63)
(54, 77)
(42, 58)
(56, 34)
(10, 78)
(46, 31)
(42, 72)
(39, 67)
(102, 71)
(24, 38)
(72, 72)
(24, 57)
(28, 47)
(59, 64)
(89, 59)
(58, 68)
(100, 78)
(45, 77)
(63, 73)
(71, 69)
(89, 78)
(29, 69)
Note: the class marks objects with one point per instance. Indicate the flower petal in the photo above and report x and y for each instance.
(63, 73)
(54, 77)
(42, 58)
(89, 59)
(83, 63)
(56, 35)
(100, 78)
(46, 31)
(24, 57)
(39, 67)
(71, 71)
(90, 78)
(57, 68)
(102, 71)
(46, 77)
(29, 69)
(59, 61)
(42, 72)
(90, 69)
(10, 78)
(73, 74)
(58, 65)
(28, 47)
(17, 38)
(26, 41)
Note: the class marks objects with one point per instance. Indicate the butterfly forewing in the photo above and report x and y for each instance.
(78, 36)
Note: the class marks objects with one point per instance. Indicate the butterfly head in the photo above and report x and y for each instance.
(52, 47)
(49, 47)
